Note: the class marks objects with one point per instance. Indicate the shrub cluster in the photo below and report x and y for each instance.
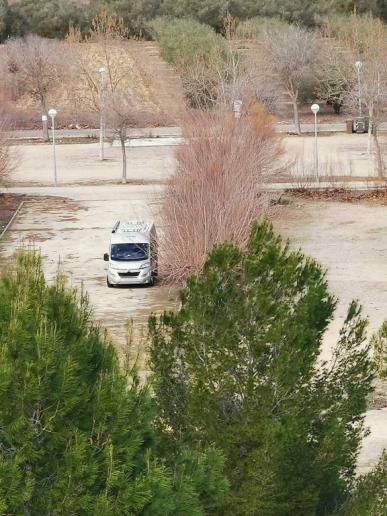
(51, 18)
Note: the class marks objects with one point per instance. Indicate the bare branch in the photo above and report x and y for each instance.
(291, 56)
(216, 192)
(36, 64)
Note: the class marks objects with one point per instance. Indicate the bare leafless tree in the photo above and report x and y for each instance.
(291, 54)
(335, 73)
(7, 152)
(103, 47)
(255, 81)
(122, 112)
(103, 71)
(37, 65)
(373, 97)
(370, 49)
(216, 192)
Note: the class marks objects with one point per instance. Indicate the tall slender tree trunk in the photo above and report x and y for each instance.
(370, 129)
(123, 149)
(296, 115)
(44, 122)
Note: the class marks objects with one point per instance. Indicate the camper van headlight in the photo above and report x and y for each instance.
(145, 265)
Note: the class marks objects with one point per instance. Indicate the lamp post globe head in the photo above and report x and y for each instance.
(358, 65)
(52, 113)
(315, 108)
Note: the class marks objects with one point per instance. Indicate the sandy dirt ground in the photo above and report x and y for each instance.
(350, 241)
(71, 225)
(73, 234)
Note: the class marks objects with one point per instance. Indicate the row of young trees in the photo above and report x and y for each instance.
(51, 18)
(304, 64)
(236, 417)
(35, 68)
(284, 61)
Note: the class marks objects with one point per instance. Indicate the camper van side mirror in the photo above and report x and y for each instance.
(106, 257)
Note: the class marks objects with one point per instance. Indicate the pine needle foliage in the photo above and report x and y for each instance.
(369, 497)
(76, 430)
(237, 367)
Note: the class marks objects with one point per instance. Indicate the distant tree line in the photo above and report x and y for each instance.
(52, 18)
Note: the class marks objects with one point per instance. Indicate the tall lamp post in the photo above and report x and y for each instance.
(52, 113)
(358, 66)
(315, 109)
(237, 108)
(102, 75)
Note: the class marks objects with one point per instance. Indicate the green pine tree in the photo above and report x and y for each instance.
(3, 19)
(76, 429)
(369, 498)
(47, 18)
(237, 367)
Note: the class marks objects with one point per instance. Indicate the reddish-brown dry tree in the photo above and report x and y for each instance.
(216, 192)
(37, 65)
(7, 156)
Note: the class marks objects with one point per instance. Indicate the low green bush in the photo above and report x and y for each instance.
(254, 27)
(184, 41)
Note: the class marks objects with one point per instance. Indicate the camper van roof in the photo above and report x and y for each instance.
(132, 226)
(131, 231)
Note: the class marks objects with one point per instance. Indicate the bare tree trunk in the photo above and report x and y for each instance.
(45, 121)
(370, 128)
(123, 148)
(296, 116)
(379, 157)
(369, 140)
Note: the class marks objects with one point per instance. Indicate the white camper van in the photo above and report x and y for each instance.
(133, 254)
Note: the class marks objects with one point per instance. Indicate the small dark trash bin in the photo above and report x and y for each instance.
(349, 126)
(360, 124)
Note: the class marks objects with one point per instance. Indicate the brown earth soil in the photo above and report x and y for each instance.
(341, 195)
(136, 65)
(8, 205)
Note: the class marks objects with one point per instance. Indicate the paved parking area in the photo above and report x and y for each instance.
(339, 155)
(79, 164)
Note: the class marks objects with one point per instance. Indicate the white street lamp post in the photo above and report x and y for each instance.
(102, 74)
(52, 113)
(315, 109)
(358, 66)
(45, 130)
(237, 109)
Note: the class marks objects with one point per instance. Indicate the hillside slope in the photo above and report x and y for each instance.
(136, 66)
(163, 83)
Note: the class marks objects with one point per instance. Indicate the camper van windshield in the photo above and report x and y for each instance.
(129, 252)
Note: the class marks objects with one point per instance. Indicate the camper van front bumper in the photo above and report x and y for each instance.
(139, 277)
